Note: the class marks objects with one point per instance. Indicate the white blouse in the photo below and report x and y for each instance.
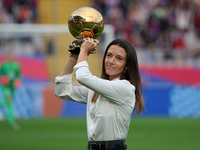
(109, 118)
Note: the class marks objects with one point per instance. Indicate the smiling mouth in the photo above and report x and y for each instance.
(110, 67)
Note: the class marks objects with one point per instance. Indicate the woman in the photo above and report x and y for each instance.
(110, 99)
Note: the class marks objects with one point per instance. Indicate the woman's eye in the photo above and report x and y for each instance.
(119, 58)
(108, 55)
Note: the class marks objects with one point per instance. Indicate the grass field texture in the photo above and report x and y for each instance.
(70, 134)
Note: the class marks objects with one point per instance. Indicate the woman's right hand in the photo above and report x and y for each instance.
(89, 44)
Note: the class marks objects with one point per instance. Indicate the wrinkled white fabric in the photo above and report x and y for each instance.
(109, 118)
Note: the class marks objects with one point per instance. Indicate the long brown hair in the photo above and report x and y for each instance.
(132, 73)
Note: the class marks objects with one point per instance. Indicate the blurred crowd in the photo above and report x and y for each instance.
(18, 11)
(168, 29)
(168, 26)
(21, 12)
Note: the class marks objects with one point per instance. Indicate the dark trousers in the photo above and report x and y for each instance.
(107, 145)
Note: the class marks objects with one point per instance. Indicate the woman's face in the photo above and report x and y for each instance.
(115, 61)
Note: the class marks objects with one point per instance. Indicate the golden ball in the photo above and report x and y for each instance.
(86, 19)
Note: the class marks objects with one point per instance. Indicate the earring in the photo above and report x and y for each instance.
(125, 70)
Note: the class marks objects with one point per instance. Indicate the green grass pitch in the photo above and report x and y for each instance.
(70, 134)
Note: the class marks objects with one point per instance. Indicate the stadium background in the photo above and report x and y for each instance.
(170, 87)
(170, 75)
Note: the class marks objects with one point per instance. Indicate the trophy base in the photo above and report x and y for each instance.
(74, 47)
(75, 50)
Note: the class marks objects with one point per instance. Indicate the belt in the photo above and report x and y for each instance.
(107, 145)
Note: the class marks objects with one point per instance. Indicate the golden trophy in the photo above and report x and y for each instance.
(84, 22)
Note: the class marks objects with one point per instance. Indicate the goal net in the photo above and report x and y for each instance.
(48, 41)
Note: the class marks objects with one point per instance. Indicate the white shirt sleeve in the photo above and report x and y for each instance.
(117, 90)
(65, 90)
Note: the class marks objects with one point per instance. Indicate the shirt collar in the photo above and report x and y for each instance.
(115, 79)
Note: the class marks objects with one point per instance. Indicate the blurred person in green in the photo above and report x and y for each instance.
(10, 75)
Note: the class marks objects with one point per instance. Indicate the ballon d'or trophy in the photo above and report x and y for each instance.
(84, 22)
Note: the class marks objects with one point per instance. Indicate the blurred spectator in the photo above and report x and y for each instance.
(18, 11)
(5, 17)
(24, 15)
